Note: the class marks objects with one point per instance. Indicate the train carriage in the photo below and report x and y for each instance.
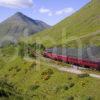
(86, 57)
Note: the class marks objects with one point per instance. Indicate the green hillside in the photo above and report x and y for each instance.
(84, 23)
(36, 79)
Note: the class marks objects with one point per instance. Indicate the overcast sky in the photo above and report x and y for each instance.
(49, 11)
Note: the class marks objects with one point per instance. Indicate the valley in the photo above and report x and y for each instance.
(31, 70)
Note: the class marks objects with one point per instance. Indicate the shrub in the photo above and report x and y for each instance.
(50, 71)
(26, 70)
(34, 87)
(45, 77)
(7, 89)
(47, 74)
(65, 87)
(44, 73)
(69, 78)
(71, 84)
(18, 69)
(6, 75)
(70, 98)
(83, 84)
(33, 64)
(11, 69)
(56, 89)
(68, 86)
(89, 98)
(3, 93)
(37, 46)
(21, 51)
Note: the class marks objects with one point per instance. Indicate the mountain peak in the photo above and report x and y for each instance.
(18, 16)
(21, 25)
(18, 13)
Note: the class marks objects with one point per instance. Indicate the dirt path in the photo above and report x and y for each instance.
(62, 68)
(66, 69)
(95, 76)
(74, 70)
(71, 70)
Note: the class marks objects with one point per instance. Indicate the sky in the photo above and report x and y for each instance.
(49, 11)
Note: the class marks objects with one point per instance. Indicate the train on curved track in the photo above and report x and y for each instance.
(85, 57)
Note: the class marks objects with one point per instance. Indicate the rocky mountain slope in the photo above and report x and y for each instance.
(20, 25)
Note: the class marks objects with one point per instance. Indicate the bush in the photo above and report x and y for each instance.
(89, 98)
(83, 84)
(71, 84)
(7, 89)
(34, 87)
(45, 77)
(69, 78)
(21, 51)
(3, 93)
(11, 69)
(48, 71)
(70, 98)
(33, 65)
(65, 87)
(56, 89)
(47, 74)
(18, 69)
(37, 46)
(68, 86)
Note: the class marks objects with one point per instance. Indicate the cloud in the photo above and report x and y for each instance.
(46, 11)
(59, 12)
(50, 14)
(65, 11)
(16, 3)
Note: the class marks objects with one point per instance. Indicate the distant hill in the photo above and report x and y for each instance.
(84, 24)
(20, 25)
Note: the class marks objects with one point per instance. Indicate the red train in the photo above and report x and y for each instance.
(72, 56)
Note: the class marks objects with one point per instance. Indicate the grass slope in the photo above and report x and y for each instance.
(27, 78)
(83, 22)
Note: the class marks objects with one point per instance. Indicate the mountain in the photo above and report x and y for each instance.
(83, 25)
(20, 25)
